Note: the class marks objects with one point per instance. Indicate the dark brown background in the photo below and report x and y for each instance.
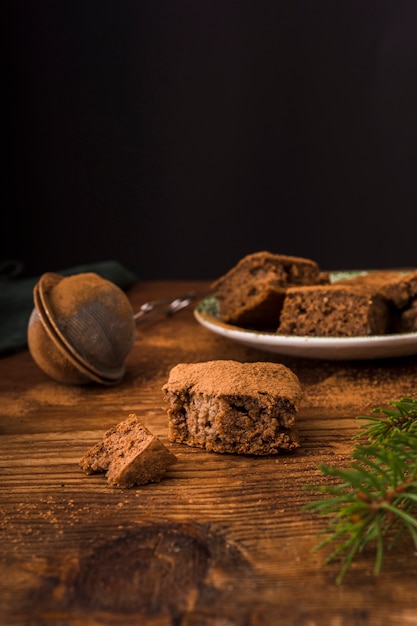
(212, 128)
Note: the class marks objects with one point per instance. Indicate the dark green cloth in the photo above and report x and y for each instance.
(16, 298)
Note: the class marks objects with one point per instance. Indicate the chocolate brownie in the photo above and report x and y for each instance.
(232, 407)
(334, 311)
(129, 454)
(406, 321)
(400, 288)
(252, 292)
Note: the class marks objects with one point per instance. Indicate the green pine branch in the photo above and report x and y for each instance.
(401, 417)
(374, 500)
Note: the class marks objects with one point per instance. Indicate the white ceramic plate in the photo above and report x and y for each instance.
(332, 348)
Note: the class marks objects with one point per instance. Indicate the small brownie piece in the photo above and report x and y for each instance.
(130, 454)
(252, 292)
(232, 407)
(334, 311)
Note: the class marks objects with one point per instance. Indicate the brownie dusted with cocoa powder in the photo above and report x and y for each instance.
(232, 407)
(399, 288)
(252, 292)
(403, 291)
(337, 310)
(129, 454)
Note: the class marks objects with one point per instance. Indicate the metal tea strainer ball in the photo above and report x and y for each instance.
(81, 328)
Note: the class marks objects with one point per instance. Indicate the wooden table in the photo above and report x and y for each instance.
(222, 540)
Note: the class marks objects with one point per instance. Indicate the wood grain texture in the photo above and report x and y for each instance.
(222, 540)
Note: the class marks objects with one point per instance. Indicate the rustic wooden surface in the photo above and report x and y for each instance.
(222, 540)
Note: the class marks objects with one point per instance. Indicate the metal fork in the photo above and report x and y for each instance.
(166, 306)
